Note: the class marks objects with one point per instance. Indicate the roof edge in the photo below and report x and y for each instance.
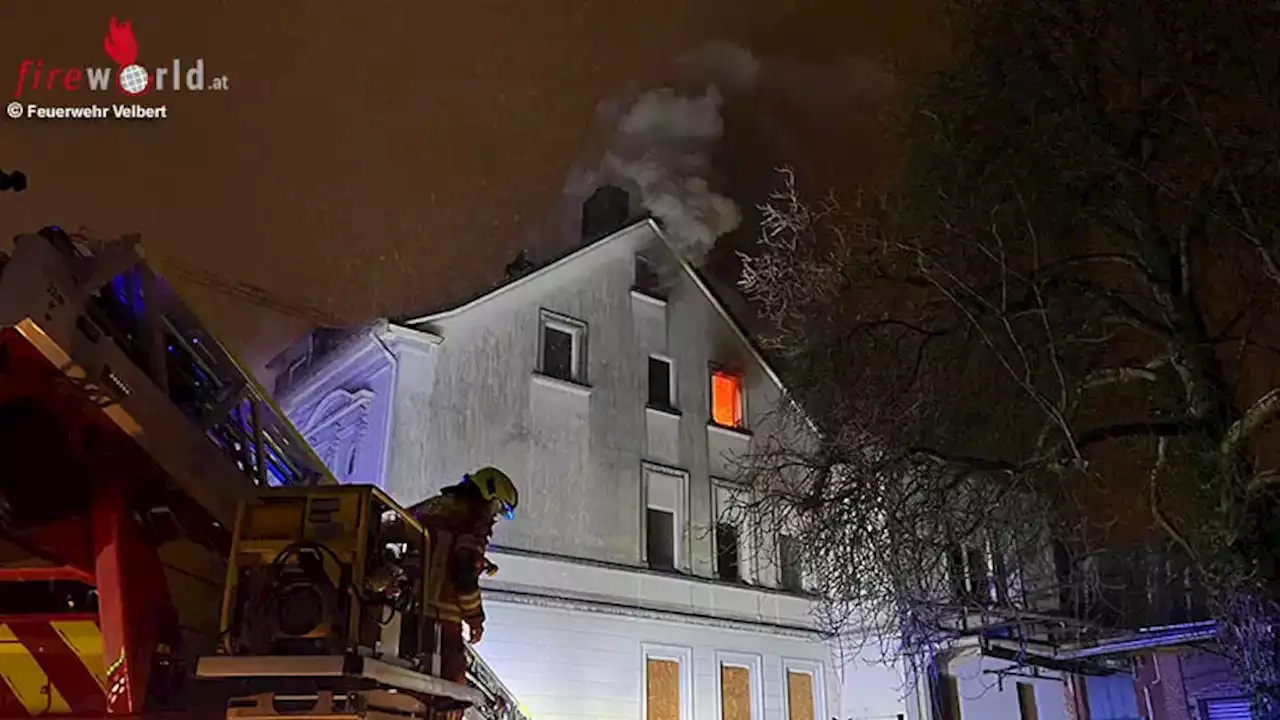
(563, 260)
(733, 323)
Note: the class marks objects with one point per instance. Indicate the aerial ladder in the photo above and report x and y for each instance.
(153, 498)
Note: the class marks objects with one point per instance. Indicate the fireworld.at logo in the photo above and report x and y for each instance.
(129, 76)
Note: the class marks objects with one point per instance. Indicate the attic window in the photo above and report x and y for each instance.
(726, 399)
(563, 348)
(647, 277)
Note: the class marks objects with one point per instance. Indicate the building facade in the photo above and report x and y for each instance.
(617, 390)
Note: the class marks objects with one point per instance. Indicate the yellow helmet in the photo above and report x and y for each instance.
(495, 486)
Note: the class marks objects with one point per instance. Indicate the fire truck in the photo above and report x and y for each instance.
(169, 544)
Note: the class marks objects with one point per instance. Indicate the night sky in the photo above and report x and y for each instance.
(389, 157)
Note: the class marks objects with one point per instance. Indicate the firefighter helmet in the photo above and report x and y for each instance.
(495, 486)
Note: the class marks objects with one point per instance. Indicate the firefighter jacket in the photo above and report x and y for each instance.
(457, 534)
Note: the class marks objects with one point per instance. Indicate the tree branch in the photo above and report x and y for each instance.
(1154, 429)
(1162, 454)
(969, 462)
(1262, 411)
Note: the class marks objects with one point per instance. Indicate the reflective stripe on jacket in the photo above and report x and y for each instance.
(457, 533)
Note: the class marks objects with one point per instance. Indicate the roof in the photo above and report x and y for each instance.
(694, 274)
(557, 262)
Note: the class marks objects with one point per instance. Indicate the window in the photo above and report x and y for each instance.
(728, 563)
(660, 540)
(1236, 708)
(789, 563)
(969, 577)
(726, 399)
(647, 280)
(664, 518)
(662, 689)
(733, 552)
(739, 687)
(668, 680)
(563, 348)
(735, 693)
(661, 384)
(946, 697)
(800, 695)
(1027, 709)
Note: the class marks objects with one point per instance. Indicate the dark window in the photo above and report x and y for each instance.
(979, 580)
(955, 572)
(1000, 575)
(727, 551)
(1027, 709)
(789, 557)
(660, 527)
(660, 383)
(557, 353)
(647, 280)
(969, 576)
(946, 697)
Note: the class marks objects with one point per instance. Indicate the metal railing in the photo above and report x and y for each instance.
(148, 321)
(503, 705)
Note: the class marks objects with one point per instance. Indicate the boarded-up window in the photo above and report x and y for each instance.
(735, 693)
(800, 696)
(662, 689)
(726, 399)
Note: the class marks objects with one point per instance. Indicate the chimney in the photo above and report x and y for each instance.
(605, 212)
(519, 267)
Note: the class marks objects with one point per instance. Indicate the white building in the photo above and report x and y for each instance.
(594, 385)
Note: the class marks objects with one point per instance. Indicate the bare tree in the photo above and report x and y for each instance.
(1051, 333)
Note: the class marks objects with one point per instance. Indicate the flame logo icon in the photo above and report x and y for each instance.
(122, 48)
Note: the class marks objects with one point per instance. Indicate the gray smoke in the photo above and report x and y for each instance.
(661, 142)
(662, 146)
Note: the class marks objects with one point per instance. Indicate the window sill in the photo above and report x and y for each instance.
(740, 433)
(641, 295)
(565, 385)
(663, 411)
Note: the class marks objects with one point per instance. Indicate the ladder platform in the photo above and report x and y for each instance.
(328, 705)
(385, 674)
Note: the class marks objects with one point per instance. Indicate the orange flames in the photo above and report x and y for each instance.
(120, 43)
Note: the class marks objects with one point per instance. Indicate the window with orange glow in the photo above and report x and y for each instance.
(726, 398)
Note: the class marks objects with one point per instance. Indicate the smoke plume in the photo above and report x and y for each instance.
(662, 146)
(662, 143)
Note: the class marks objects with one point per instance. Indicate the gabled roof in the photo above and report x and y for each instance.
(544, 269)
(694, 275)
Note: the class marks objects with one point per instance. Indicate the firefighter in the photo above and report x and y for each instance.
(459, 522)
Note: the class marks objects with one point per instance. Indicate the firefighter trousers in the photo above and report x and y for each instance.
(446, 651)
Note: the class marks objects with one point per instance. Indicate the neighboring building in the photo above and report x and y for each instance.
(1122, 635)
(1182, 683)
(616, 389)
